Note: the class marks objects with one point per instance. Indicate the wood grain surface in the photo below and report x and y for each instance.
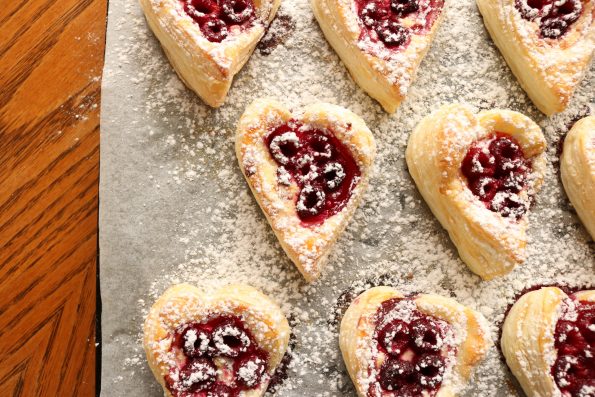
(51, 58)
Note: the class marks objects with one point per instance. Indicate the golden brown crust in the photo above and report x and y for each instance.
(206, 67)
(386, 80)
(184, 303)
(306, 246)
(528, 338)
(577, 168)
(490, 244)
(358, 325)
(549, 70)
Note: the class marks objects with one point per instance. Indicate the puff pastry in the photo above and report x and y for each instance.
(548, 339)
(425, 345)
(577, 167)
(228, 343)
(381, 42)
(308, 172)
(478, 173)
(209, 41)
(548, 45)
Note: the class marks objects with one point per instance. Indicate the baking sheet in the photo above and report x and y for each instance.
(175, 208)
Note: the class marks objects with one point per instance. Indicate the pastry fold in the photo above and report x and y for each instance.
(577, 168)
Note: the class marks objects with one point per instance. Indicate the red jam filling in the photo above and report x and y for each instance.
(319, 163)
(393, 21)
(416, 349)
(216, 18)
(224, 338)
(555, 17)
(496, 171)
(574, 369)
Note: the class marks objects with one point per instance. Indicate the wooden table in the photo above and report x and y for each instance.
(51, 59)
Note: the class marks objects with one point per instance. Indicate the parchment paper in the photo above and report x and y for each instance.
(174, 207)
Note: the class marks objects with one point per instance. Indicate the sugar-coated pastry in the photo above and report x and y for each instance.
(423, 345)
(479, 174)
(308, 171)
(382, 42)
(548, 339)
(209, 41)
(547, 44)
(225, 344)
(577, 166)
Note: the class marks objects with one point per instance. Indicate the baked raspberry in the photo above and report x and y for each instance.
(485, 188)
(479, 162)
(216, 18)
(497, 171)
(230, 339)
(397, 375)
(373, 13)
(586, 323)
(221, 390)
(195, 341)
(202, 10)
(198, 374)
(554, 17)
(568, 369)
(202, 344)
(404, 7)
(568, 337)
(574, 368)
(584, 388)
(504, 149)
(392, 33)
(430, 368)
(414, 363)
(319, 163)
(250, 369)
(382, 19)
(562, 14)
(531, 9)
(509, 204)
(394, 337)
(214, 29)
(237, 11)
(427, 335)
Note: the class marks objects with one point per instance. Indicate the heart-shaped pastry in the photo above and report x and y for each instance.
(209, 41)
(547, 44)
(577, 166)
(423, 345)
(225, 344)
(479, 174)
(382, 42)
(308, 172)
(548, 339)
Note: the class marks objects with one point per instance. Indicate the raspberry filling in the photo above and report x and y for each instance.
(574, 368)
(415, 346)
(497, 171)
(393, 21)
(555, 17)
(224, 340)
(319, 163)
(217, 18)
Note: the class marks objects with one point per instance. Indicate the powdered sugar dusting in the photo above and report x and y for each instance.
(175, 207)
